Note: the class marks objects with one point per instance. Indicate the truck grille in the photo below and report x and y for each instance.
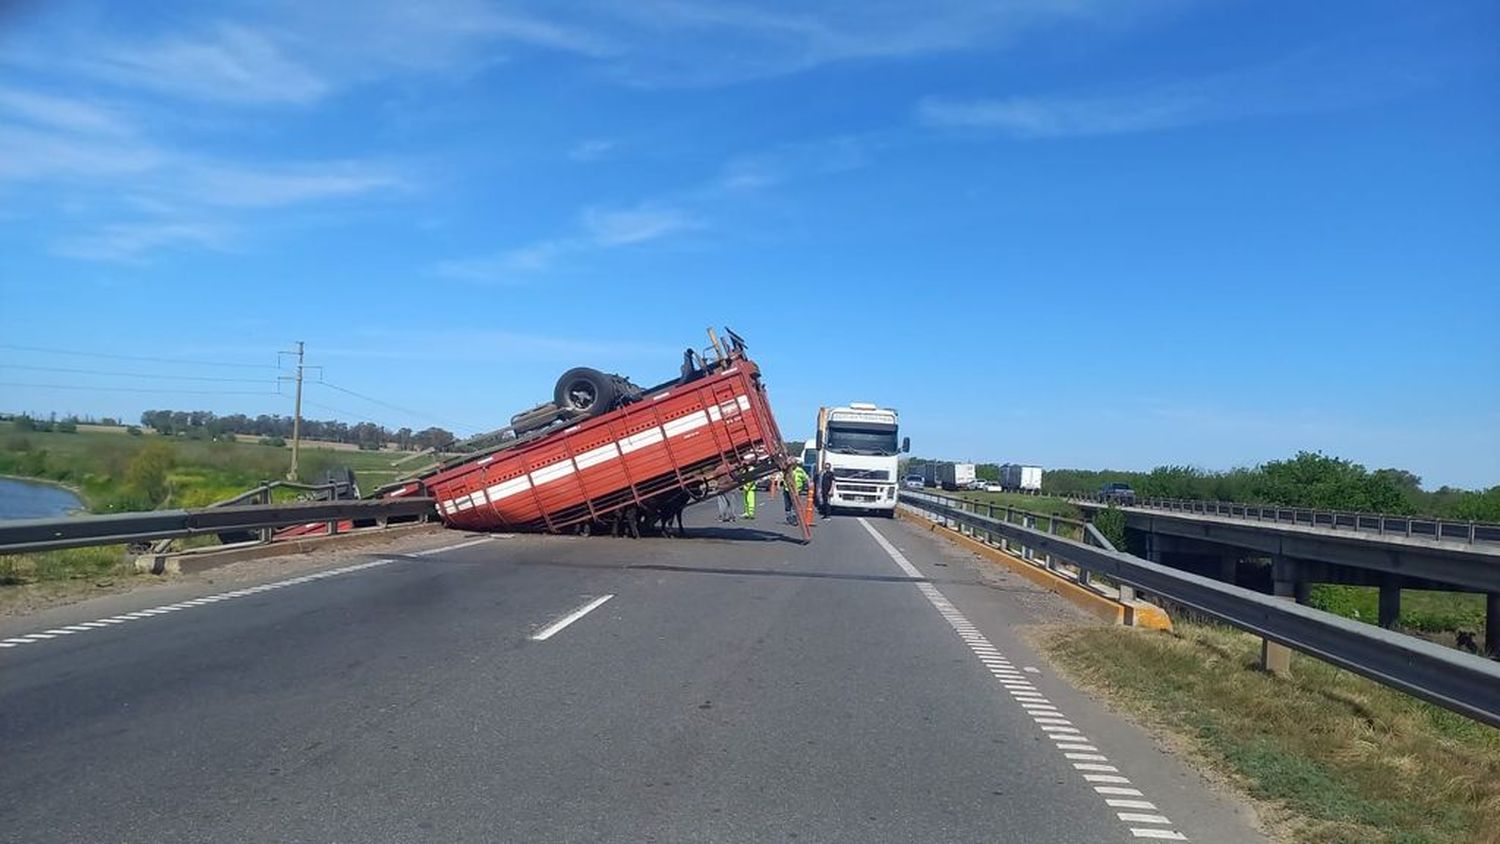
(863, 474)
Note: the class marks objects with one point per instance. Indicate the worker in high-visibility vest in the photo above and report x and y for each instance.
(790, 496)
(749, 489)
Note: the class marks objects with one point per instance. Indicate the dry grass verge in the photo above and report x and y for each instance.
(1345, 759)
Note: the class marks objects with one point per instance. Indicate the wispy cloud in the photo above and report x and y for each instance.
(129, 242)
(594, 149)
(277, 185)
(60, 113)
(231, 62)
(624, 226)
(791, 162)
(714, 43)
(88, 155)
(1309, 81)
(597, 229)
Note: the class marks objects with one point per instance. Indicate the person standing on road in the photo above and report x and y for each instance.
(792, 492)
(749, 499)
(825, 490)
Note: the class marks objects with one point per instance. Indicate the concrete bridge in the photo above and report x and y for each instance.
(1323, 550)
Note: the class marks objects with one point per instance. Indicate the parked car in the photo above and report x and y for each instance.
(1117, 493)
(913, 482)
(994, 486)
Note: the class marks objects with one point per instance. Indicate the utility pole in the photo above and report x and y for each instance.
(291, 474)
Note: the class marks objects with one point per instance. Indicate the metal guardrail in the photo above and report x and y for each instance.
(1382, 524)
(1451, 679)
(25, 535)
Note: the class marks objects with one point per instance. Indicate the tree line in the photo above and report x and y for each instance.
(1309, 479)
(364, 434)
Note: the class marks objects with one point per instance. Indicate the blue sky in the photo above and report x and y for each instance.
(1115, 233)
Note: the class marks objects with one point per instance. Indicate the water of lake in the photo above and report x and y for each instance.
(27, 500)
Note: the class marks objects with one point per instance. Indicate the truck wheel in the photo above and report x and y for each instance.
(585, 391)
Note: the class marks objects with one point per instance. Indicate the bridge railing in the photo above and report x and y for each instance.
(26, 535)
(1383, 524)
(1449, 678)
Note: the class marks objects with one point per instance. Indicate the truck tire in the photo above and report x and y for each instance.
(585, 391)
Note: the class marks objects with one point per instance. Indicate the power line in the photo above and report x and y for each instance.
(416, 413)
(139, 389)
(111, 356)
(133, 374)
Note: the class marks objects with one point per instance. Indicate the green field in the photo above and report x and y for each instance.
(115, 472)
(1030, 503)
(108, 468)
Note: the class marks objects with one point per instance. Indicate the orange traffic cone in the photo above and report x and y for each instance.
(808, 518)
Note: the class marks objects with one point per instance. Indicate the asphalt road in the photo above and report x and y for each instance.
(735, 686)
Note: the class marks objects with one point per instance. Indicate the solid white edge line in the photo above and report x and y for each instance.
(555, 627)
(86, 626)
(1050, 722)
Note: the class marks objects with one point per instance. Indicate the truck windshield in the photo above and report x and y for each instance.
(861, 438)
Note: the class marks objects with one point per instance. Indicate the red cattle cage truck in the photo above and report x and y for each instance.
(607, 455)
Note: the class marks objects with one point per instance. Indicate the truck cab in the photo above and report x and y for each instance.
(859, 441)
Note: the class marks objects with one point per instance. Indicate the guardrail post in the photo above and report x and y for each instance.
(989, 535)
(1492, 623)
(1276, 658)
(1389, 610)
(1052, 529)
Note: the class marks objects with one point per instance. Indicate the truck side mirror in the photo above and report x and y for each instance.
(906, 444)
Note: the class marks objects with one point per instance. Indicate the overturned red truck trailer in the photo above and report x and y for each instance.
(625, 469)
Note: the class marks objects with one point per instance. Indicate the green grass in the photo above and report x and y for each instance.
(98, 464)
(1037, 504)
(203, 472)
(1424, 610)
(1344, 759)
(68, 564)
(1031, 503)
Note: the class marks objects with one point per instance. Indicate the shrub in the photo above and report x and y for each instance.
(273, 442)
(1111, 523)
(146, 473)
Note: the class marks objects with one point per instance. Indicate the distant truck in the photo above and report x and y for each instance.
(956, 475)
(930, 474)
(1015, 477)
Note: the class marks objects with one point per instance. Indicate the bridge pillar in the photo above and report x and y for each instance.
(1390, 601)
(1229, 566)
(1492, 623)
(1276, 658)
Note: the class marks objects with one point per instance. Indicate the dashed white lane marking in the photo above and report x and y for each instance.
(1078, 751)
(84, 627)
(552, 629)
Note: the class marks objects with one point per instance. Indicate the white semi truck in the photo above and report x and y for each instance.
(1015, 477)
(956, 475)
(859, 441)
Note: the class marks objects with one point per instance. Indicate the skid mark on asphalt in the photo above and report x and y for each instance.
(123, 618)
(1140, 815)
